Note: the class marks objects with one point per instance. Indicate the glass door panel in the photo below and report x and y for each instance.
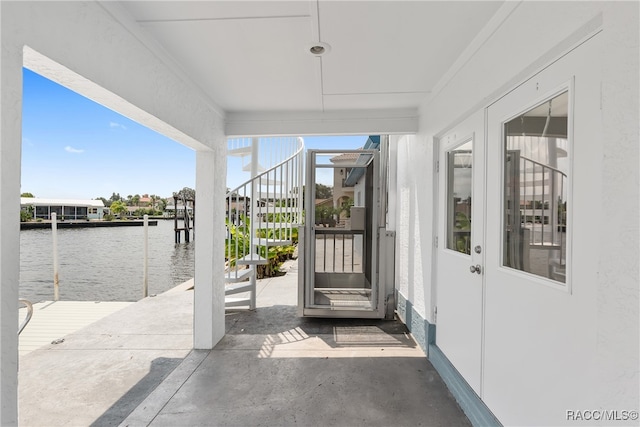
(459, 188)
(535, 190)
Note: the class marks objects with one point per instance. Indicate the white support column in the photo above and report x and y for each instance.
(76, 44)
(211, 172)
(10, 152)
(255, 152)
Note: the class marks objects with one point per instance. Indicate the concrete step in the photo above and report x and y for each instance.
(262, 241)
(251, 259)
(236, 302)
(237, 288)
(239, 276)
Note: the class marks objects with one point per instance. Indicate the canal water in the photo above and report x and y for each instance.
(102, 264)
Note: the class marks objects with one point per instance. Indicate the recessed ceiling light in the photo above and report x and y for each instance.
(318, 49)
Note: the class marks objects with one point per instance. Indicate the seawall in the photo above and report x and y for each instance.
(85, 224)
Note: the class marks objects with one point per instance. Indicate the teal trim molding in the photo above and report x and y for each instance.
(423, 332)
(425, 335)
(471, 404)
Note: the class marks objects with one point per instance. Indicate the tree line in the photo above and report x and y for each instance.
(156, 206)
(119, 205)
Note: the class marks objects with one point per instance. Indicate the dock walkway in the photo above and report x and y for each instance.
(53, 320)
(136, 367)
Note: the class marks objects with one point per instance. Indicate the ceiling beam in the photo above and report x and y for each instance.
(362, 122)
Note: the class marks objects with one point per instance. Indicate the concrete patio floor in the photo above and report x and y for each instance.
(136, 368)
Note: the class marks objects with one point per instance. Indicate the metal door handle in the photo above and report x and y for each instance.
(476, 269)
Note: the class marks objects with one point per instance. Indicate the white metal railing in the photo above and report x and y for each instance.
(338, 250)
(542, 209)
(265, 210)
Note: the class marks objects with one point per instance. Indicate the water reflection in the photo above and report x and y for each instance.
(102, 264)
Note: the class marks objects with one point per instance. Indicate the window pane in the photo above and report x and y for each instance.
(459, 162)
(535, 190)
(42, 212)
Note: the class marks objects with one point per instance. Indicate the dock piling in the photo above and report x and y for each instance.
(188, 220)
(54, 234)
(145, 268)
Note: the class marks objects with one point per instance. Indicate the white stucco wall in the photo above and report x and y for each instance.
(529, 36)
(82, 45)
(414, 221)
(618, 315)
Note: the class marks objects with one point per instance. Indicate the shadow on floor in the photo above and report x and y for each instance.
(235, 388)
(160, 368)
(274, 368)
(283, 319)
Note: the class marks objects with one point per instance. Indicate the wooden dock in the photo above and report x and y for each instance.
(53, 320)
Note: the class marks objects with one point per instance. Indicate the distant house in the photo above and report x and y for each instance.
(68, 209)
(346, 180)
(145, 201)
(170, 209)
(238, 204)
(132, 209)
(324, 203)
(342, 192)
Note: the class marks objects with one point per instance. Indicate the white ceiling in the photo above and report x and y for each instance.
(252, 56)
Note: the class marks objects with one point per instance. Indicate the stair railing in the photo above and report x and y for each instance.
(264, 210)
(541, 188)
(543, 212)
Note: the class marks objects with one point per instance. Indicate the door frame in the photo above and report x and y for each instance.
(307, 307)
(472, 128)
(564, 292)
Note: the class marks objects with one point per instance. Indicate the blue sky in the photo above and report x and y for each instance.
(75, 148)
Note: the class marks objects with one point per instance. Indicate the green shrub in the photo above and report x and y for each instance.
(239, 245)
(25, 216)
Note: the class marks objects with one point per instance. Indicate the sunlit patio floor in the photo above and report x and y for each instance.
(136, 367)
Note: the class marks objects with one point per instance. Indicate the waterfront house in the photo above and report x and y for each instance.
(145, 201)
(170, 211)
(523, 331)
(65, 209)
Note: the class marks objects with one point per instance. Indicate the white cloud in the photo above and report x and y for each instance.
(113, 125)
(70, 149)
